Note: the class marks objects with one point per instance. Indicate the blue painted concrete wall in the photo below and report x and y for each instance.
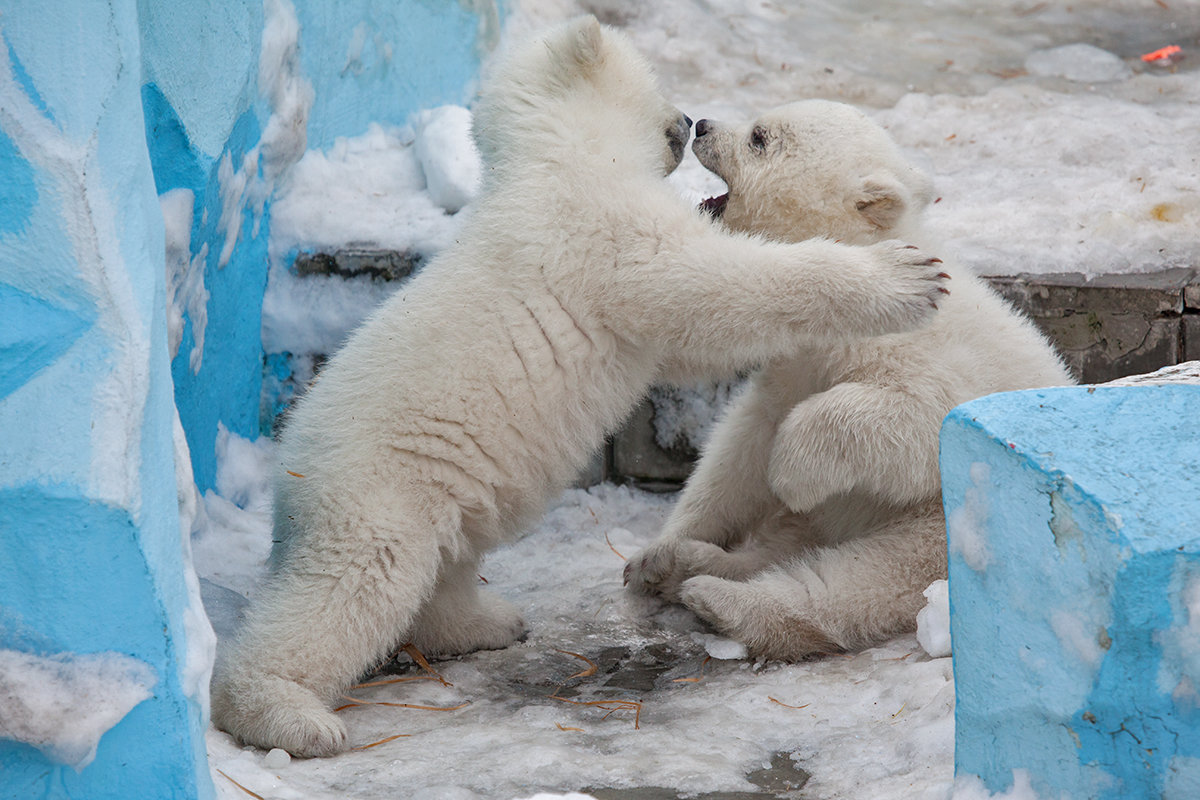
(103, 107)
(89, 528)
(208, 99)
(1074, 524)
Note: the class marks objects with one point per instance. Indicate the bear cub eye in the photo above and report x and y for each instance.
(758, 139)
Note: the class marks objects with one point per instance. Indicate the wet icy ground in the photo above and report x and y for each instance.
(877, 724)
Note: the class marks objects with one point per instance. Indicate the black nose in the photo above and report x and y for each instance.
(702, 127)
(687, 121)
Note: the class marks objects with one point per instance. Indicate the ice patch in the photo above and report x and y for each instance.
(448, 157)
(366, 190)
(933, 621)
(720, 648)
(277, 759)
(1078, 62)
(63, 704)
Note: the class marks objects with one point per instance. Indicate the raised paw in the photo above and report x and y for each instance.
(910, 286)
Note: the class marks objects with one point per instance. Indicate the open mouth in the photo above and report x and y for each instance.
(715, 206)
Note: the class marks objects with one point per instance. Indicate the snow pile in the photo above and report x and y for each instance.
(366, 192)
(63, 704)
(231, 538)
(1037, 181)
(244, 470)
(933, 621)
(448, 157)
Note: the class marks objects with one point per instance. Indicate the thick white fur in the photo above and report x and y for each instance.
(477, 392)
(813, 521)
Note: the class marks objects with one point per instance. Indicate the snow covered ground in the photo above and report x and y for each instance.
(1045, 159)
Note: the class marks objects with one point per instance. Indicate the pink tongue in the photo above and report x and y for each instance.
(715, 205)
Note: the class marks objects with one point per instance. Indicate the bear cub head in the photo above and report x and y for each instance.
(812, 168)
(585, 96)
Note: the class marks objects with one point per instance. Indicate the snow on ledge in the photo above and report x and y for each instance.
(1187, 372)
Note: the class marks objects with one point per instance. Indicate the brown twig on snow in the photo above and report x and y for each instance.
(612, 706)
(243, 788)
(587, 673)
(785, 705)
(381, 741)
(699, 677)
(423, 663)
(615, 550)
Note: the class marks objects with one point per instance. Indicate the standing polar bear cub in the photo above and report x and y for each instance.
(814, 521)
(477, 392)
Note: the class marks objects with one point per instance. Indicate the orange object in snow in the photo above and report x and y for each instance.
(1162, 52)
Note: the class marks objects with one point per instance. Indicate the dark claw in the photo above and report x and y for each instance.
(943, 290)
(943, 275)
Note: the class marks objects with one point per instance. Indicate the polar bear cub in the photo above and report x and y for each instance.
(813, 521)
(478, 391)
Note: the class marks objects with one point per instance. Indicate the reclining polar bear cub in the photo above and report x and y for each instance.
(813, 521)
(479, 390)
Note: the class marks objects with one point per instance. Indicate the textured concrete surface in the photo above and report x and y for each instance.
(1111, 325)
(1075, 587)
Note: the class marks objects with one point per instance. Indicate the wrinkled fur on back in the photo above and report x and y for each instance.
(813, 521)
(480, 389)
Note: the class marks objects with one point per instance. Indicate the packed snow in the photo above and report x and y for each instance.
(874, 724)
(1054, 148)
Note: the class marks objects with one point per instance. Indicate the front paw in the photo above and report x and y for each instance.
(655, 571)
(910, 285)
(268, 712)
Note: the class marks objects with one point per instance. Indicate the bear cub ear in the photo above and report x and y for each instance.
(585, 43)
(882, 201)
